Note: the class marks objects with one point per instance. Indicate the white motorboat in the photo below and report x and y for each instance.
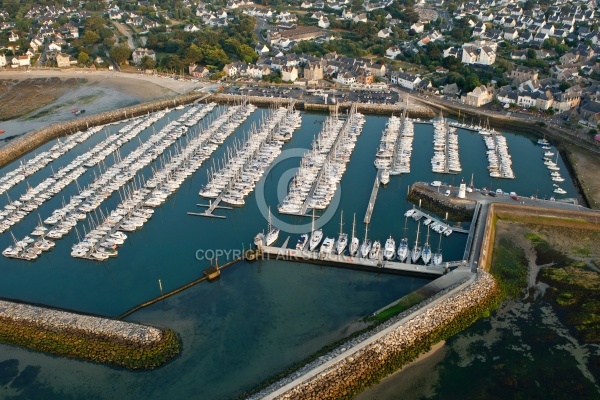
(559, 190)
(385, 176)
(355, 243)
(410, 212)
(389, 249)
(342, 241)
(301, 245)
(327, 246)
(375, 250)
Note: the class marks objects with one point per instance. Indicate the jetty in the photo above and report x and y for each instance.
(357, 263)
(373, 198)
(419, 214)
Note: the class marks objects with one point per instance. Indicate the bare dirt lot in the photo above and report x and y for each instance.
(31, 100)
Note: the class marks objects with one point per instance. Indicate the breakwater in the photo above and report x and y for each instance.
(366, 359)
(26, 143)
(87, 337)
(413, 110)
(458, 209)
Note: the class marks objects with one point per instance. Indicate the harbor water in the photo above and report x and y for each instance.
(259, 317)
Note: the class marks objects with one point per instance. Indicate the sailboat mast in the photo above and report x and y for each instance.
(417, 240)
(353, 225)
(341, 222)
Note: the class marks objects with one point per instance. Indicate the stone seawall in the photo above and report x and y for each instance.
(458, 209)
(91, 338)
(414, 110)
(26, 143)
(355, 366)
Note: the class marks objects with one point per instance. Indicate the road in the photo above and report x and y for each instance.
(125, 32)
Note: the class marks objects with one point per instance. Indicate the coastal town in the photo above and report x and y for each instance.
(535, 57)
(389, 148)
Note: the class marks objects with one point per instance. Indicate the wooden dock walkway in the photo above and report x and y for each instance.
(422, 214)
(373, 198)
(365, 264)
(212, 206)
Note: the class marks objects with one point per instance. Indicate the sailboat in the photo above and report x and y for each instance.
(437, 257)
(365, 247)
(315, 236)
(416, 251)
(342, 241)
(403, 248)
(426, 253)
(389, 249)
(355, 242)
(273, 233)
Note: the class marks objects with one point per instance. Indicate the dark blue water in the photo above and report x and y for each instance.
(258, 318)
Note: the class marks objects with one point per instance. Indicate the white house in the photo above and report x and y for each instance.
(323, 23)
(289, 74)
(13, 37)
(54, 47)
(191, 28)
(478, 97)
(2, 61)
(417, 27)
(384, 33)
(478, 55)
(393, 52)
(346, 78)
(405, 80)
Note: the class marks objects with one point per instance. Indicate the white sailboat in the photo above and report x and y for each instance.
(315, 236)
(355, 243)
(403, 248)
(327, 246)
(365, 247)
(342, 241)
(437, 257)
(426, 253)
(416, 251)
(273, 233)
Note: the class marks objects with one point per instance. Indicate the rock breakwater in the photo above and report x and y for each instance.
(368, 358)
(92, 338)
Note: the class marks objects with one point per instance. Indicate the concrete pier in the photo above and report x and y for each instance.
(373, 198)
(358, 263)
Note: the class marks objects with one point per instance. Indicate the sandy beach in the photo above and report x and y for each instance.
(94, 92)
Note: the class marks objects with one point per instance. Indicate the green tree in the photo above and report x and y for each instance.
(564, 86)
(83, 58)
(531, 54)
(90, 37)
(120, 54)
(147, 63)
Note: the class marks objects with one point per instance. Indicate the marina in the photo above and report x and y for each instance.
(245, 164)
(34, 197)
(445, 159)
(321, 169)
(250, 295)
(500, 161)
(131, 214)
